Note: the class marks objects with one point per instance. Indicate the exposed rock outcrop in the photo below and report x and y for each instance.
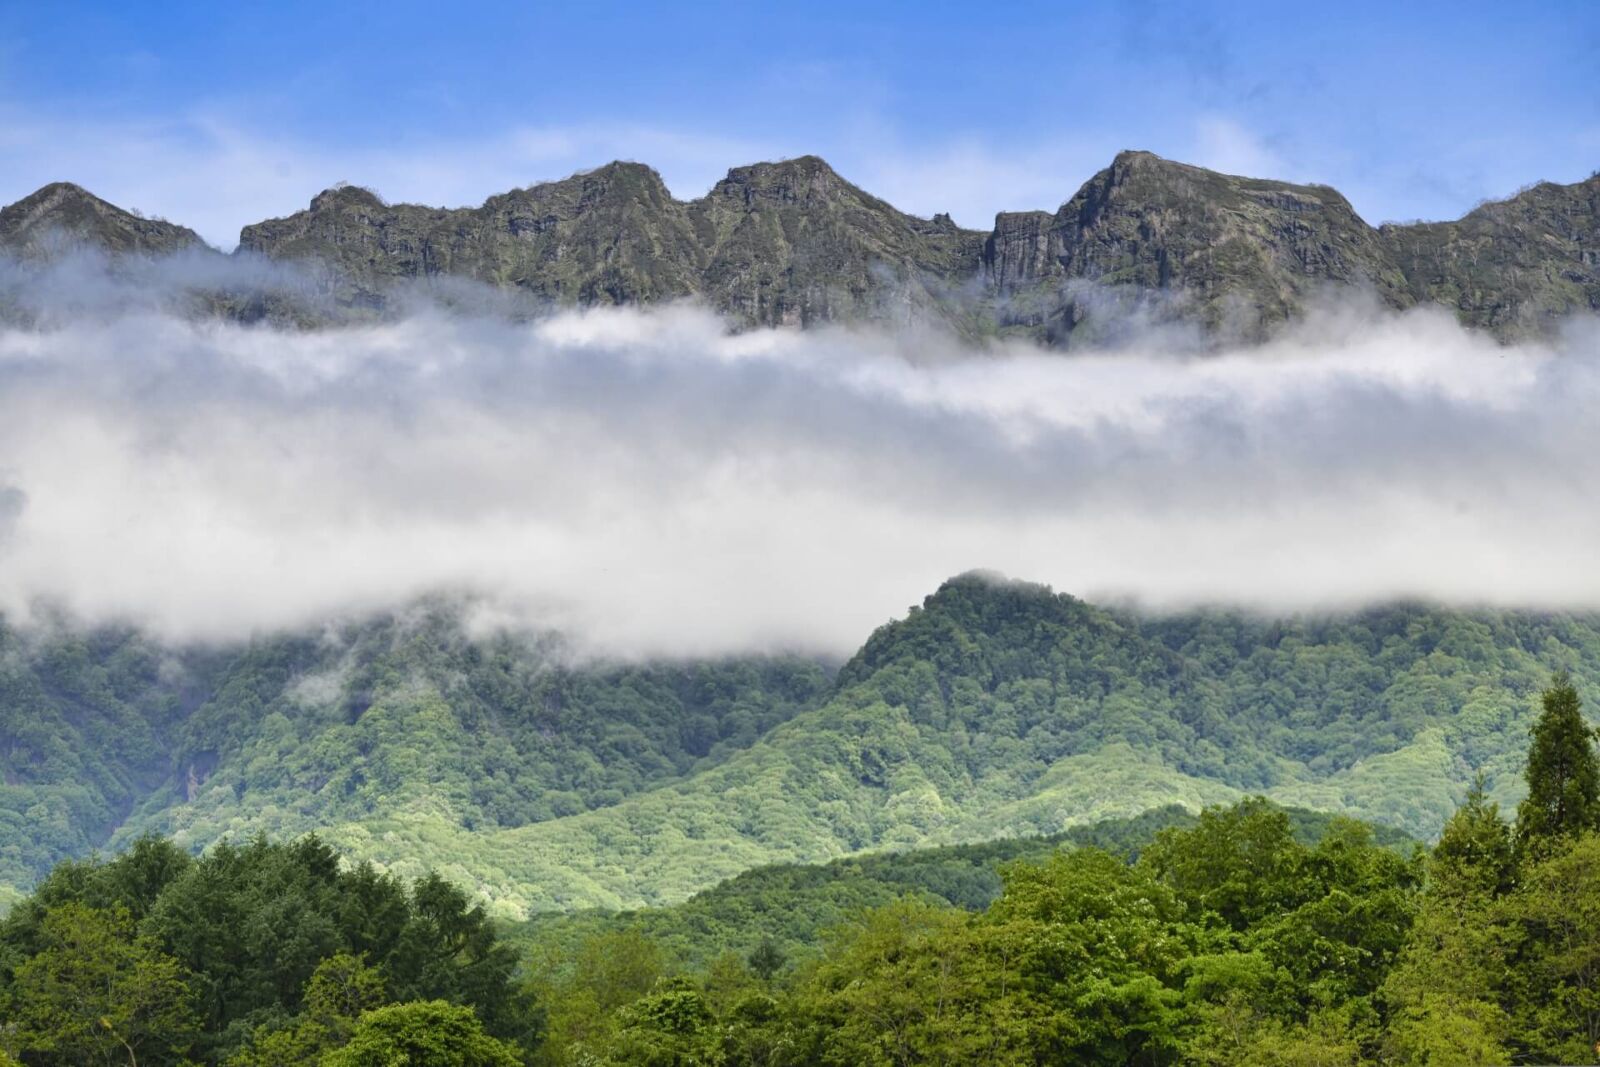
(794, 244)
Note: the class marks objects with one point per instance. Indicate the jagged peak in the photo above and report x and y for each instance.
(346, 195)
(1496, 207)
(807, 165)
(1135, 160)
(622, 168)
(618, 172)
(621, 176)
(57, 195)
(1138, 161)
(1131, 164)
(784, 177)
(617, 179)
(1133, 157)
(74, 212)
(60, 190)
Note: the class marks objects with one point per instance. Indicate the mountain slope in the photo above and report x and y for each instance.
(796, 906)
(1515, 266)
(1004, 709)
(1237, 255)
(995, 709)
(786, 243)
(391, 717)
(793, 243)
(613, 235)
(62, 214)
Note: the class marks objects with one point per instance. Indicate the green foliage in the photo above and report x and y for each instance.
(1229, 940)
(1563, 775)
(274, 944)
(1443, 991)
(1330, 918)
(431, 1033)
(1475, 853)
(85, 720)
(1241, 864)
(794, 906)
(399, 729)
(670, 1026)
(610, 969)
(994, 710)
(766, 960)
(94, 991)
(1246, 935)
(1083, 957)
(340, 990)
(1555, 1000)
(1002, 710)
(911, 984)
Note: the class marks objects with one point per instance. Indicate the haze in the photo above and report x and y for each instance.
(654, 483)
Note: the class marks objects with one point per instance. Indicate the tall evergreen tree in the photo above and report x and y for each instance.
(1563, 774)
(1474, 853)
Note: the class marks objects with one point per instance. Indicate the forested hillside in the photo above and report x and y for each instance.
(1247, 936)
(792, 909)
(995, 709)
(105, 734)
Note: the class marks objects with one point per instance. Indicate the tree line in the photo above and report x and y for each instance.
(1227, 941)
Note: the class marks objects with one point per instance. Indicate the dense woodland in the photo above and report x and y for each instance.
(542, 781)
(1248, 935)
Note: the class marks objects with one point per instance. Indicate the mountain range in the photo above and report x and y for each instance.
(1145, 240)
(994, 709)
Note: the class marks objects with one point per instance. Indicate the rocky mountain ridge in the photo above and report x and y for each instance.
(61, 214)
(793, 243)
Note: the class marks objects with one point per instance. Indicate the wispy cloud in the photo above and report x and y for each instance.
(1225, 144)
(654, 483)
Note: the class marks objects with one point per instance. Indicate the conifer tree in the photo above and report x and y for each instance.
(1474, 853)
(1563, 775)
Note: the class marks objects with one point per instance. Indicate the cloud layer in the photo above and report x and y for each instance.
(656, 484)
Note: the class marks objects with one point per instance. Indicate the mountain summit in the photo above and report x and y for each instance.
(62, 214)
(794, 243)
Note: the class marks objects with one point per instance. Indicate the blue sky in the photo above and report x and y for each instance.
(219, 114)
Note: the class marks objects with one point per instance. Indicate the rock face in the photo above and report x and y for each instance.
(611, 236)
(788, 243)
(793, 243)
(1236, 254)
(1513, 267)
(1021, 250)
(62, 215)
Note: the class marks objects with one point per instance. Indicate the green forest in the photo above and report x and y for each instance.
(541, 779)
(1246, 935)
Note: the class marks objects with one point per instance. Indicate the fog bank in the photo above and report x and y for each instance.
(654, 483)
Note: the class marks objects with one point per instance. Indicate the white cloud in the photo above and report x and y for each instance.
(1223, 144)
(656, 484)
